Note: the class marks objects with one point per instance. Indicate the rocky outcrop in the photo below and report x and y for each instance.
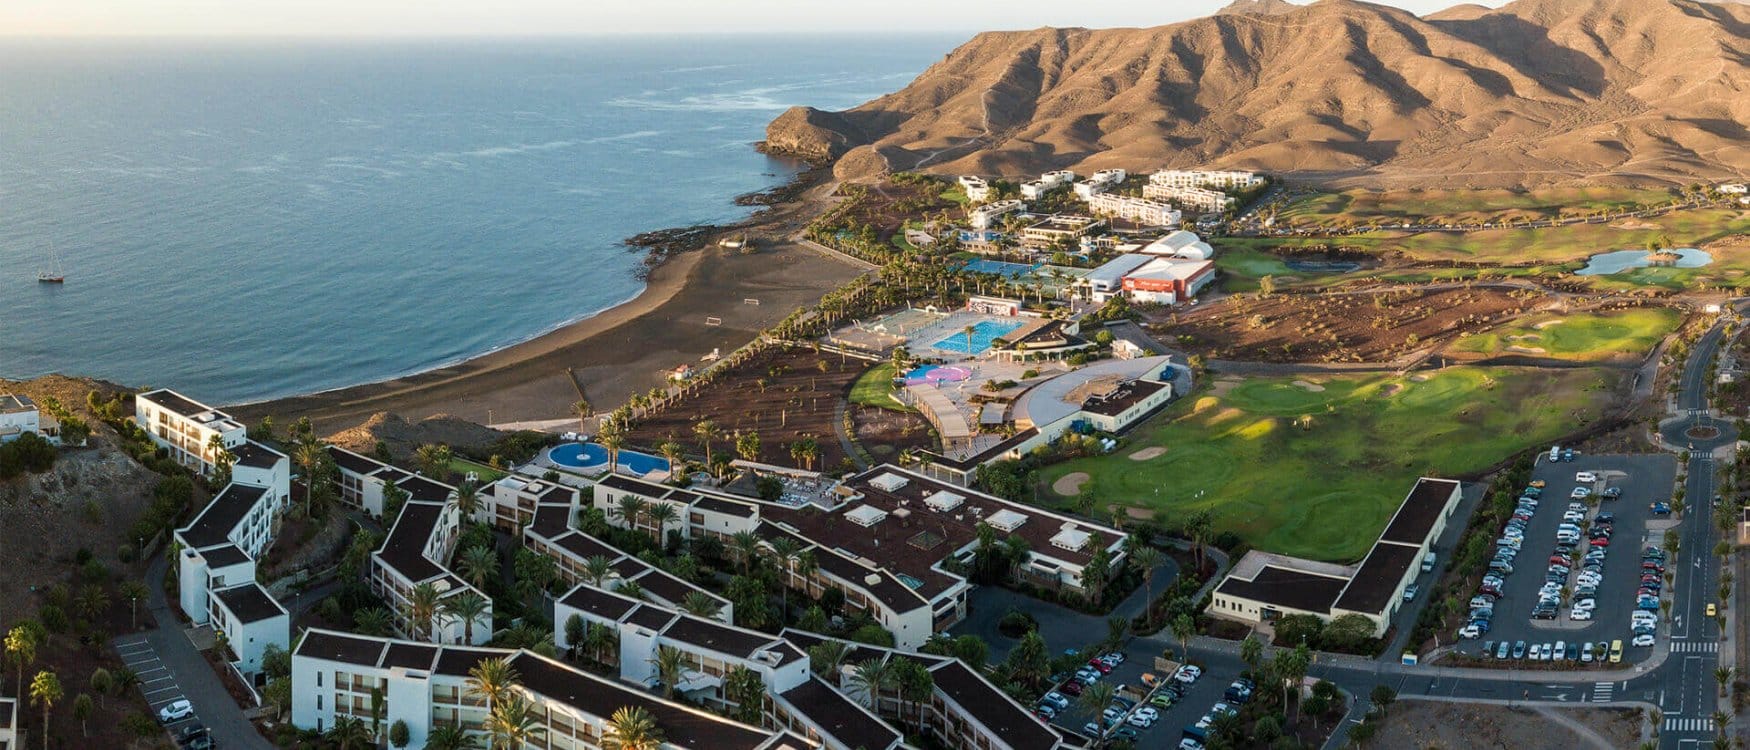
(811, 134)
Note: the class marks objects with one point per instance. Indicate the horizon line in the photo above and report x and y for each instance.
(532, 35)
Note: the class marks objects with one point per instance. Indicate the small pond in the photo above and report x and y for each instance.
(1322, 266)
(1604, 264)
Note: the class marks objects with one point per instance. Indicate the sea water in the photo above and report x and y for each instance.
(244, 221)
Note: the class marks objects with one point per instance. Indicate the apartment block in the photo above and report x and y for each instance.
(187, 428)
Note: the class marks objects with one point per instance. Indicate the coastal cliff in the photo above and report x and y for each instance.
(1535, 91)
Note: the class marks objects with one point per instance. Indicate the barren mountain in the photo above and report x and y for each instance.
(1536, 91)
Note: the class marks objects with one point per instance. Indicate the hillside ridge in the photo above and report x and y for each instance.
(1537, 91)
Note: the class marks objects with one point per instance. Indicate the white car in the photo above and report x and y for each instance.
(1139, 721)
(1580, 493)
(1585, 476)
(1188, 673)
(1580, 614)
(1586, 604)
(1149, 712)
(177, 710)
(1643, 641)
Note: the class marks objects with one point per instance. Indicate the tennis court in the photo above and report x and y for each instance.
(999, 268)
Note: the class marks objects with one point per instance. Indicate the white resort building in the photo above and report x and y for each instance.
(1140, 210)
(19, 415)
(187, 428)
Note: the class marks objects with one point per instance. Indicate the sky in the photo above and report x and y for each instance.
(583, 17)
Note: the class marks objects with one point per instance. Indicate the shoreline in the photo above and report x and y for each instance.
(687, 280)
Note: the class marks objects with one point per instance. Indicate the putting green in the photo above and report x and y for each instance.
(1582, 336)
(1317, 474)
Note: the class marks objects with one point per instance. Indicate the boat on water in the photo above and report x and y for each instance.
(50, 278)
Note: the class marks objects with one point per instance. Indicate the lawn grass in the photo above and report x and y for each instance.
(1586, 337)
(487, 474)
(1241, 268)
(875, 388)
(956, 194)
(1326, 492)
(1361, 207)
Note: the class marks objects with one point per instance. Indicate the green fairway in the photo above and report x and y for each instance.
(1324, 486)
(875, 388)
(1583, 337)
(1353, 208)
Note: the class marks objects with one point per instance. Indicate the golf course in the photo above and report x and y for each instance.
(1313, 466)
(1584, 337)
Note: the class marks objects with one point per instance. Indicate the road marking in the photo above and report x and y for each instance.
(1601, 692)
(1687, 724)
(1695, 647)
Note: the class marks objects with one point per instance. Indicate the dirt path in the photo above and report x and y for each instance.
(1586, 733)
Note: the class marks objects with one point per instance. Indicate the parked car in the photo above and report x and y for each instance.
(1661, 509)
(1410, 592)
(1643, 641)
(1519, 650)
(1580, 614)
(176, 710)
(1616, 652)
(1585, 476)
(1586, 653)
(1188, 674)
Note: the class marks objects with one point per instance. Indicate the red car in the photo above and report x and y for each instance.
(1100, 665)
(1601, 542)
(1072, 687)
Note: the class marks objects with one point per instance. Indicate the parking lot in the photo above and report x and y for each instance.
(1642, 481)
(1198, 698)
(157, 682)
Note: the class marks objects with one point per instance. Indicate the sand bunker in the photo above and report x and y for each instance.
(1634, 224)
(1140, 514)
(1310, 387)
(1147, 453)
(1516, 349)
(1390, 390)
(1222, 386)
(1070, 484)
(1548, 323)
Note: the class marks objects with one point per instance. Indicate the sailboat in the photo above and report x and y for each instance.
(53, 275)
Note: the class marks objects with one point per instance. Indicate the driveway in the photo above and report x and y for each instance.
(170, 668)
(1061, 626)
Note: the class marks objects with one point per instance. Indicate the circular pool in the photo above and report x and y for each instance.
(579, 455)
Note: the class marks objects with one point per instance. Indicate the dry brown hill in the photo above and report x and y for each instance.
(1537, 91)
(1262, 7)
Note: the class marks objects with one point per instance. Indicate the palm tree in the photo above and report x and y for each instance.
(45, 691)
(373, 621)
(467, 500)
(870, 677)
(422, 609)
(747, 445)
(21, 651)
(969, 331)
(491, 680)
(631, 509)
(597, 568)
(134, 591)
(582, 410)
(671, 667)
(219, 455)
(450, 738)
(1252, 652)
(784, 552)
(661, 515)
(1723, 675)
(701, 604)
(632, 728)
(1096, 697)
(631, 590)
(598, 639)
(310, 457)
(466, 607)
(102, 682)
(82, 707)
(826, 657)
(1144, 560)
(706, 431)
(478, 564)
(612, 440)
(349, 733)
(434, 459)
(513, 720)
(746, 547)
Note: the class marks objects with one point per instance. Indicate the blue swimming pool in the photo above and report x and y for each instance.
(591, 456)
(983, 332)
(1000, 268)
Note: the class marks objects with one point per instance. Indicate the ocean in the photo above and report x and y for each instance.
(246, 221)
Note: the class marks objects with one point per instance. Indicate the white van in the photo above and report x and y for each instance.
(1585, 476)
(1555, 453)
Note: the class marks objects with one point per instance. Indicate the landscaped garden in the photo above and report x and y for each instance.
(1583, 336)
(1314, 466)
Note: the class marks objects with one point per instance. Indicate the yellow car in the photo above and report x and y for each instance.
(1538, 483)
(1615, 651)
(1711, 611)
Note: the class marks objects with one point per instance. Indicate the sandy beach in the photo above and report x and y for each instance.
(619, 352)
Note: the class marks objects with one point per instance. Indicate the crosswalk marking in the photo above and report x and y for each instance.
(1601, 692)
(1684, 724)
(1695, 647)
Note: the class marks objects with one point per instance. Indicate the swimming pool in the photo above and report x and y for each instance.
(936, 374)
(983, 332)
(589, 456)
(1000, 268)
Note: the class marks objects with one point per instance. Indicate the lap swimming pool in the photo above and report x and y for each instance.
(983, 332)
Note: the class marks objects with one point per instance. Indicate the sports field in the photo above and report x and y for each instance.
(1585, 337)
(1324, 486)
